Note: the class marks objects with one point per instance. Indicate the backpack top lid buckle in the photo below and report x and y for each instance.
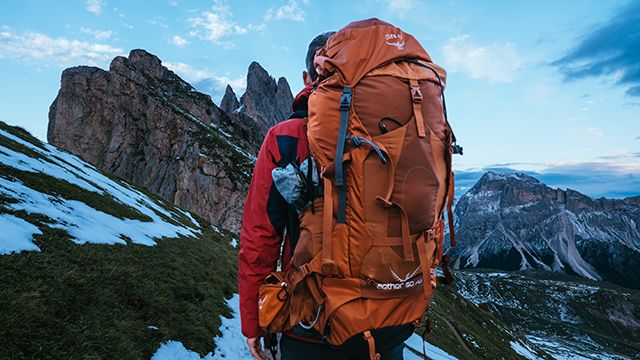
(345, 100)
(416, 94)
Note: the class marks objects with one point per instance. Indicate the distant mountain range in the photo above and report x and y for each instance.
(515, 222)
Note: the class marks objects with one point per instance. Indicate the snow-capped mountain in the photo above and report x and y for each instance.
(515, 222)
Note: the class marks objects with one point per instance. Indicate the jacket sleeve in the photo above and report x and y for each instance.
(261, 236)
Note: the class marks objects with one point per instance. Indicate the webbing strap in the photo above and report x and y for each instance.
(450, 195)
(416, 99)
(327, 220)
(340, 173)
(373, 355)
(424, 265)
(406, 237)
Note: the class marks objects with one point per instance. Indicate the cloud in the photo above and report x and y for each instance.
(216, 24)
(620, 155)
(496, 63)
(94, 6)
(400, 8)
(610, 49)
(289, 11)
(589, 132)
(612, 179)
(97, 34)
(207, 82)
(179, 41)
(40, 47)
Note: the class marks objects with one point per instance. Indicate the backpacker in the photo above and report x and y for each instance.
(378, 132)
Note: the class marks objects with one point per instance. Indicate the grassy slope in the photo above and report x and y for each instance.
(473, 325)
(539, 312)
(97, 301)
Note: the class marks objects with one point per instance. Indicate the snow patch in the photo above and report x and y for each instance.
(230, 345)
(16, 235)
(413, 347)
(84, 223)
(523, 350)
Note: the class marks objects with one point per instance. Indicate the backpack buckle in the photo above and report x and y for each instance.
(345, 100)
(416, 94)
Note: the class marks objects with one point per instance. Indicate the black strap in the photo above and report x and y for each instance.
(340, 174)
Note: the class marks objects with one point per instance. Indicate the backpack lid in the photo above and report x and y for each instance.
(364, 45)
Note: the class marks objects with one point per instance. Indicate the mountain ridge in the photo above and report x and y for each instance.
(515, 222)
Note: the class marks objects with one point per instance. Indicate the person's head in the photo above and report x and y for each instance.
(310, 75)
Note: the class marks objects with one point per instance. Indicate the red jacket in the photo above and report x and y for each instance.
(267, 215)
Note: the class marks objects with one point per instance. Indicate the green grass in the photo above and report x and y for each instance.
(48, 184)
(538, 313)
(470, 322)
(21, 133)
(97, 301)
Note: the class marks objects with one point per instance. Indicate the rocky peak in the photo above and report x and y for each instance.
(509, 189)
(265, 101)
(142, 122)
(229, 101)
(515, 222)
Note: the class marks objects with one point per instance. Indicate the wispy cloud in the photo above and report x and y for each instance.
(610, 50)
(97, 34)
(621, 155)
(94, 6)
(40, 47)
(496, 63)
(613, 179)
(289, 11)
(216, 24)
(206, 81)
(178, 40)
(400, 8)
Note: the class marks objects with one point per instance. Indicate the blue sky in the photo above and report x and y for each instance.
(551, 87)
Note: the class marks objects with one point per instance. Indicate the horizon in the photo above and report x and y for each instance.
(551, 89)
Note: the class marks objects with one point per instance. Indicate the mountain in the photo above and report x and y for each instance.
(141, 122)
(515, 222)
(265, 101)
(567, 317)
(229, 101)
(93, 267)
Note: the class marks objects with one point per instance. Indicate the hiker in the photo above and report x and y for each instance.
(355, 295)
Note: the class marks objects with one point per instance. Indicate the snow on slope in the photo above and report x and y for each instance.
(232, 344)
(16, 234)
(83, 223)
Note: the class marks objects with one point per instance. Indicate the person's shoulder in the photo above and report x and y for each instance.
(295, 127)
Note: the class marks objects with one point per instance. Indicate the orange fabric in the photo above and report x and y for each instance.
(416, 99)
(363, 46)
(372, 345)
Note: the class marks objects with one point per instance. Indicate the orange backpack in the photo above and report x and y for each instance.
(378, 131)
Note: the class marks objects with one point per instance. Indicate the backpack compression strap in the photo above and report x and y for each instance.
(340, 173)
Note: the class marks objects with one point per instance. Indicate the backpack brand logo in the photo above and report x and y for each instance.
(395, 40)
(403, 283)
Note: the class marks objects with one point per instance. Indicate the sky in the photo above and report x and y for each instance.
(547, 87)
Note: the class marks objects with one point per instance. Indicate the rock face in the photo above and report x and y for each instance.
(515, 222)
(229, 101)
(265, 101)
(141, 122)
